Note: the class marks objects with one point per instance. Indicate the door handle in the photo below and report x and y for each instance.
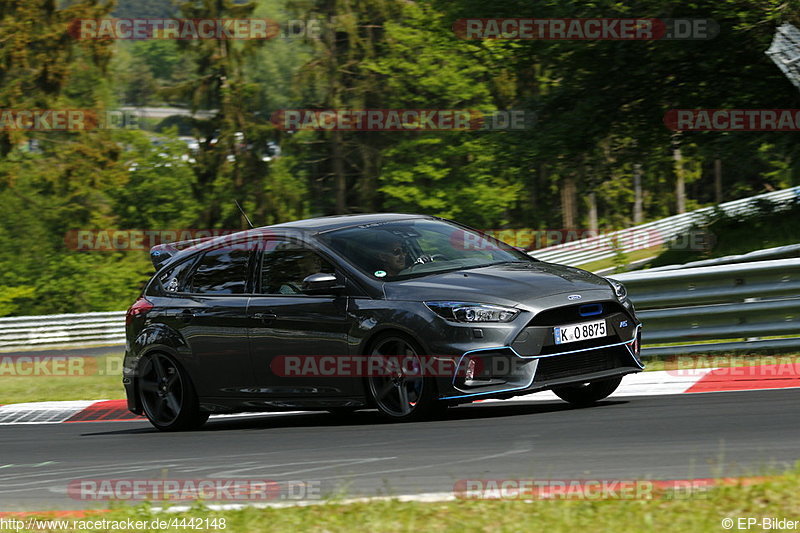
(265, 317)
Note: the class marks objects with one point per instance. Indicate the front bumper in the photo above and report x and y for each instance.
(533, 362)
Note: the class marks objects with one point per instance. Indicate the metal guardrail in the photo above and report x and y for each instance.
(779, 252)
(651, 234)
(726, 303)
(46, 331)
(718, 303)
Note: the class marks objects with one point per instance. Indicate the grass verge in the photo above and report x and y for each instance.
(776, 497)
(630, 257)
(88, 378)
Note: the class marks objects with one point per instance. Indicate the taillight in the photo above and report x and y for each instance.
(139, 307)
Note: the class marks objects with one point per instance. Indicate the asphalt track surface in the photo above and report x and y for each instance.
(658, 437)
(88, 351)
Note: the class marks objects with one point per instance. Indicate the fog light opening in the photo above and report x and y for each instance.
(470, 374)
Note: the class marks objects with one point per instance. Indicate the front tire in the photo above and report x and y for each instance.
(588, 393)
(400, 395)
(167, 395)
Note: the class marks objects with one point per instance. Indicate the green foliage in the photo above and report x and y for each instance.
(10, 296)
(158, 190)
(450, 177)
(600, 106)
(86, 185)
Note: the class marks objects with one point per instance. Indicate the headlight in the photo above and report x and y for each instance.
(471, 312)
(619, 289)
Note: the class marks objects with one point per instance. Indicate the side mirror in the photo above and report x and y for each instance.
(321, 283)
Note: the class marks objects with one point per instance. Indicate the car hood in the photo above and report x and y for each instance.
(508, 284)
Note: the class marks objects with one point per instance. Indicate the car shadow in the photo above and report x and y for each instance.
(366, 418)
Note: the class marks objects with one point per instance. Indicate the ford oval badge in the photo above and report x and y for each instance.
(574, 297)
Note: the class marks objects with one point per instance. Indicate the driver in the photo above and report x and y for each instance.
(392, 255)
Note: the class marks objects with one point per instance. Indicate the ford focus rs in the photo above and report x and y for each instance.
(406, 314)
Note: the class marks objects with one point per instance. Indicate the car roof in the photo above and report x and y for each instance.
(310, 225)
(342, 221)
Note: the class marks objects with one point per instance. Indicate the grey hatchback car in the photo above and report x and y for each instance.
(407, 314)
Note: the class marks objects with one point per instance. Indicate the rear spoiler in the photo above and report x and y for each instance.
(161, 253)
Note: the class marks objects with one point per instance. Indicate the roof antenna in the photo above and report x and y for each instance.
(244, 214)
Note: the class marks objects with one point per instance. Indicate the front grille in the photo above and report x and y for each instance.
(572, 313)
(575, 364)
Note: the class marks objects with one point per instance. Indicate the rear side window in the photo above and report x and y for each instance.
(221, 271)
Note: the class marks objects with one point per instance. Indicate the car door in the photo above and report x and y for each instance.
(285, 322)
(212, 318)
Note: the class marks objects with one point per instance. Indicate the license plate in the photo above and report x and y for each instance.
(580, 332)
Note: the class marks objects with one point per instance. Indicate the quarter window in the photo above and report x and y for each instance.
(174, 278)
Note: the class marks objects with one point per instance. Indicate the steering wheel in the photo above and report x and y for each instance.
(425, 258)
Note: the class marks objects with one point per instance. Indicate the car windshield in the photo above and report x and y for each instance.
(400, 249)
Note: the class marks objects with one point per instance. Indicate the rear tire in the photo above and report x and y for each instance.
(403, 397)
(588, 393)
(167, 395)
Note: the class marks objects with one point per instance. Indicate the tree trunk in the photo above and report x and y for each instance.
(336, 150)
(536, 177)
(718, 180)
(370, 164)
(591, 200)
(638, 215)
(680, 181)
(337, 163)
(568, 208)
